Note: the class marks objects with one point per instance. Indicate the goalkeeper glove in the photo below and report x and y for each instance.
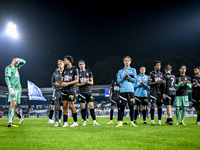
(11, 91)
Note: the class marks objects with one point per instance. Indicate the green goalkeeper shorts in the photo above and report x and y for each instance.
(181, 101)
(15, 98)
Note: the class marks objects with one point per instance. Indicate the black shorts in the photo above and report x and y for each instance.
(53, 102)
(169, 100)
(128, 97)
(196, 102)
(139, 100)
(115, 103)
(156, 99)
(68, 96)
(85, 97)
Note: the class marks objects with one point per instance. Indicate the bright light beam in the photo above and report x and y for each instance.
(11, 30)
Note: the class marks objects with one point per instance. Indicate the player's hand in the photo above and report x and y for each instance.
(56, 84)
(87, 82)
(160, 82)
(11, 91)
(141, 83)
(63, 84)
(126, 75)
(196, 82)
(164, 96)
(186, 81)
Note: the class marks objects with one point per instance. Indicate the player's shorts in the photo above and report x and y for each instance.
(169, 100)
(181, 101)
(156, 99)
(15, 98)
(53, 102)
(115, 103)
(128, 97)
(141, 100)
(85, 97)
(196, 102)
(68, 96)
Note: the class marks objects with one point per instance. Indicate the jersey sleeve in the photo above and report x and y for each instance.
(53, 80)
(177, 85)
(90, 75)
(76, 73)
(8, 72)
(120, 79)
(150, 77)
(111, 85)
(21, 64)
(189, 85)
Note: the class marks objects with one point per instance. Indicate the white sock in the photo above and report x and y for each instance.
(120, 122)
(111, 120)
(152, 120)
(170, 117)
(131, 121)
(94, 121)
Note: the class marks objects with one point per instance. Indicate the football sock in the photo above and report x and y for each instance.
(11, 114)
(19, 116)
(144, 114)
(118, 115)
(51, 114)
(131, 112)
(152, 114)
(83, 114)
(136, 114)
(111, 114)
(183, 114)
(177, 114)
(159, 114)
(92, 114)
(75, 117)
(60, 114)
(121, 115)
(198, 117)
(65, 118)
(170, 117)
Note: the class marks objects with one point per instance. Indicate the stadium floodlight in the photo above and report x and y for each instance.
(11, 30)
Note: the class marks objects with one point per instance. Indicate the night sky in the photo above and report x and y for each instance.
(99, 33)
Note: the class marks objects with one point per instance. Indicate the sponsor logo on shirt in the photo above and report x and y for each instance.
(6, 72)
(67, 78)
(116, 88)
(16, 74)
(83, 80)
(158, 79)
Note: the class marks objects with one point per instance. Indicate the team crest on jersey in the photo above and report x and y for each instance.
(70, 71)
(145, 78)
(185, 78)
(87, 74)
(131, 73)
(16, 74)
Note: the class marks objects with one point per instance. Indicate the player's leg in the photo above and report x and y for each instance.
(86, 111)
(111, 113)
(92, 112)
(57, 105)
(153, 105)
(60, 111)
(74, 114)
(65, 111)
(178, 103)
(131, 103)
(159, 106)
(144, 108)
(118, 108)
(51, 113)
(18, 95)
(136, 113)
(83, 113)
(185, 103)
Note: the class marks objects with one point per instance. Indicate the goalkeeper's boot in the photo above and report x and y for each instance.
(56, 124)
(133, 125)
(21, 120)
(177, 123)
(75, 124)
(182, 123)
(110, 122)
(120, 125)
(10, 124)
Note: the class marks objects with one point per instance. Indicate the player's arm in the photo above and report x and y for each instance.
(134, 78)
(75, 81)
(188, 84)
(177, 85)
(53, 81)
(7, 79)
(146, 86)
(21, 62)
(120, 79)
(110, 96)
(91, 81)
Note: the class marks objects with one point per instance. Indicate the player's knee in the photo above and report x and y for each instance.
(112, 107)
(159, 107)
(144, 107)
(153, 106)
(60, 107)
(52, 107)
(136, 107)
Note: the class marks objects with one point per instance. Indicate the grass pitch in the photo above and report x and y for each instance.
(34, 134)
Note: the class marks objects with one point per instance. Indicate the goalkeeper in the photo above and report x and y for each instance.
(14, 86)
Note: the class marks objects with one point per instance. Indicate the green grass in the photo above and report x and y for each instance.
(34, 134)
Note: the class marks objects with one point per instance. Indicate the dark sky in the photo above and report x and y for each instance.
(96, 31)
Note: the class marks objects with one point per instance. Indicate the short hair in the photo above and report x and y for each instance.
(69, 58)
(168, 67)
(60, 61)
(155, 62)
(197, 67)
(81, 61)
(127, 57)
(142, 67)
(182, 66)
(15, 57)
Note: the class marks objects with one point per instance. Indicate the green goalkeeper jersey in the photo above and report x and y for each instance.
(12, 76)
